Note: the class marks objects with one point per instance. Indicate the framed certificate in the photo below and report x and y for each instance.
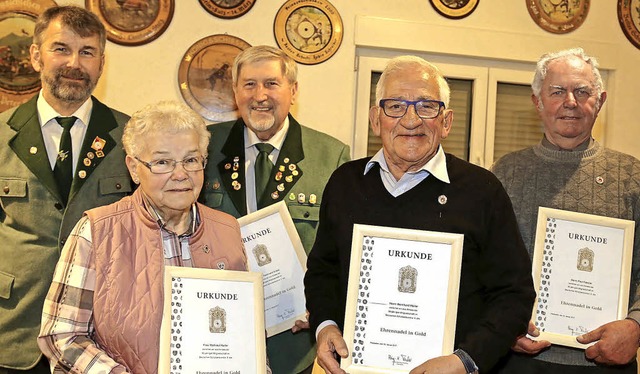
(212, 319)
(581, 271)
(402, 298)
(274, 249)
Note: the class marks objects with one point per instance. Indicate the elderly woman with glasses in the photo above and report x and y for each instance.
(104, 308)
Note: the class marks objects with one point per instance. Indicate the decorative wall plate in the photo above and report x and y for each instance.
(133, 22)
(204, 76)
(18, 80)
(309, 31)
(454, 9)
(227, 8)
(558, 16)
(629, 18)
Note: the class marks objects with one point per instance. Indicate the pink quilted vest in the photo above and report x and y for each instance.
(128, 297)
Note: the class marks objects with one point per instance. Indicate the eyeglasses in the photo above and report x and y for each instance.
(425, 109)
(194, 163)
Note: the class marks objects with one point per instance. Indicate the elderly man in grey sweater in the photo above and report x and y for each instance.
(569, 170)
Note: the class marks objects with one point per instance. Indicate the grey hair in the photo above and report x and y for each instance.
(413, 62)
(261, 53)
(542, 68)
(80, 20)
(165, 117)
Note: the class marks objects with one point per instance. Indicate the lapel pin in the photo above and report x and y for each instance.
(227, 166)
(275, 195)
(442, 199)
(301, 198)
(86, 161)
(286, 160)
(292, 196)
(62, 155)
(278, 176)
(292, 167)
(599, 180)
(90, 155)
(294, 173)
(33, 150)
(289, 178)
(234, 175)
(313, 199)
(98, 144)
(216, 185)
(236, 166)
(280, 187)
(100, 154)
(82, 174)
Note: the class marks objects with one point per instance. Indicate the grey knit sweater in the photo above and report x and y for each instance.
(596, 181)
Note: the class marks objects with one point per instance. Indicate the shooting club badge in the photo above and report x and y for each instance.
(98, 146)
(217, 320)
(261, 254)
(407, 279)
(585, 259)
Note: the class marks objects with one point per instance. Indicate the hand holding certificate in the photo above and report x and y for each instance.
(581, 269)
(402, 298)
(212, 319)
(274, 249)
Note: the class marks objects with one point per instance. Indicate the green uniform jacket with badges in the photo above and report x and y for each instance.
(34, 223)
(314, 157)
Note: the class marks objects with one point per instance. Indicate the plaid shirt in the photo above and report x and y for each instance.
(67, 323)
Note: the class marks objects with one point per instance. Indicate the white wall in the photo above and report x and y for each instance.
(498, 29)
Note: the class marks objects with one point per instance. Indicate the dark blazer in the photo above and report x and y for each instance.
(34, 224)
(315, 156)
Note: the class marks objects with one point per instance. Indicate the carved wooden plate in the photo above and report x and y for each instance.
(558, 16)
(629, 18)
(204, 76)
(133, 22)
(227, 8)
(309, 31)
(18, 80)
(454, 9)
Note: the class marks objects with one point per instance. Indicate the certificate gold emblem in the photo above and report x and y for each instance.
(407, 279)
(217, 320)
(262, 255)
(585, 259)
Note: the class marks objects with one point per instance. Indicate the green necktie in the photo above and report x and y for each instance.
(263, 169)
(64, 160)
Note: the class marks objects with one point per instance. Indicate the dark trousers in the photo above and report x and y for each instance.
(42, 367)
(522, 364)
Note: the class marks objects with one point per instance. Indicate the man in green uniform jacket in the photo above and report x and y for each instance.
(39, 208)
(265, 87)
